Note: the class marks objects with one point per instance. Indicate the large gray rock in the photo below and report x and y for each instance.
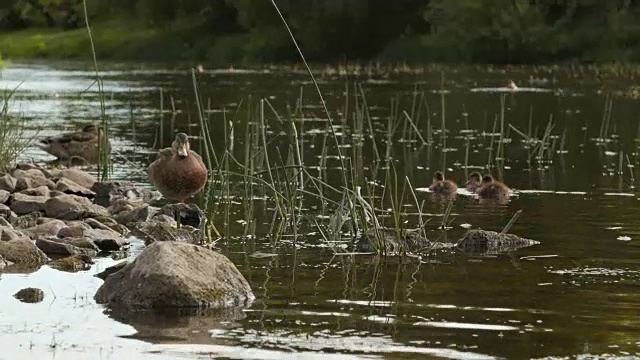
(72, 207)
(23, 204)
(22, 253)
(172, 274)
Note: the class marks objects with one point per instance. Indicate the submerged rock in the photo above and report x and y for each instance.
(390, 242)
(29, 295)
(479, 241)
(72, 263)
(172, 274)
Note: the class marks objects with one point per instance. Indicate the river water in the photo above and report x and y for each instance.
(576, 294)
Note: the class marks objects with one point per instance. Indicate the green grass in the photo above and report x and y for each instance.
(116, 40)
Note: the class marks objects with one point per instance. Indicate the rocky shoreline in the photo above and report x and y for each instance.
(65, 218)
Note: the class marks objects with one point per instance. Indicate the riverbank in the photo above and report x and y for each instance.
(122, 41)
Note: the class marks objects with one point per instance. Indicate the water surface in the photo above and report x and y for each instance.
(574, 294)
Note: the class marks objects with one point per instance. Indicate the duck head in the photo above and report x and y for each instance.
(487, 179)
(474, 178)
(181, 145)
(438, 176)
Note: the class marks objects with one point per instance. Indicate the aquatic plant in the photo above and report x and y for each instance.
(13, 140)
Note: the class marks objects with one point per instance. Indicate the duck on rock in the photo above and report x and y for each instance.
(84, 144)
(178, 172)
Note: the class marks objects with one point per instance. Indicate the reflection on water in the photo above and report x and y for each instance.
(574, 294)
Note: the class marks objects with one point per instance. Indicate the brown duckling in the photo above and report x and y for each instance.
(178, 172)
(441, 186)
(492, 189)
(473, 183)
(83, 144)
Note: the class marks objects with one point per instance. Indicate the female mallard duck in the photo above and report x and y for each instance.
(473, 183)
(441, 186)
(81, 144)
(178, 172)
(492, 189)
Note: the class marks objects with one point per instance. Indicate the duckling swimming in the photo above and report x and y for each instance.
(473, 183)
(81, 144)
(178, 172)
(492, 189)
(440, 186)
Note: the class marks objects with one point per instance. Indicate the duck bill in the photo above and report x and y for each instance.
(182, 150)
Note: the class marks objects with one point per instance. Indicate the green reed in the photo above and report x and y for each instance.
(13, 139)
(105, 168)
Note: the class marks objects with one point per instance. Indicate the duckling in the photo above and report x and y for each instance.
(512, 85)
(492, 189)
(81, 144)
(178, 172)
(441, 186)
(473, 183)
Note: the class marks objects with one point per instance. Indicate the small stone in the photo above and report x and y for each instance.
(140, 214)
(69, 187)
(54, 247)
(51, 228)
(153, 231)
(22, 253)
(8, 234)
(6, 212)
(7, 183)
(28, 166)
(54, 193)
(72, 207)
(33, 178)
(71, 231)
(25, 221)
(79, 177)
(23, 204)
(37, 191)
(4, 196)
(29, 295)
(72, 263)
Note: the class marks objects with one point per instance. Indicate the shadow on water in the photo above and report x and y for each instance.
(571, 169)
